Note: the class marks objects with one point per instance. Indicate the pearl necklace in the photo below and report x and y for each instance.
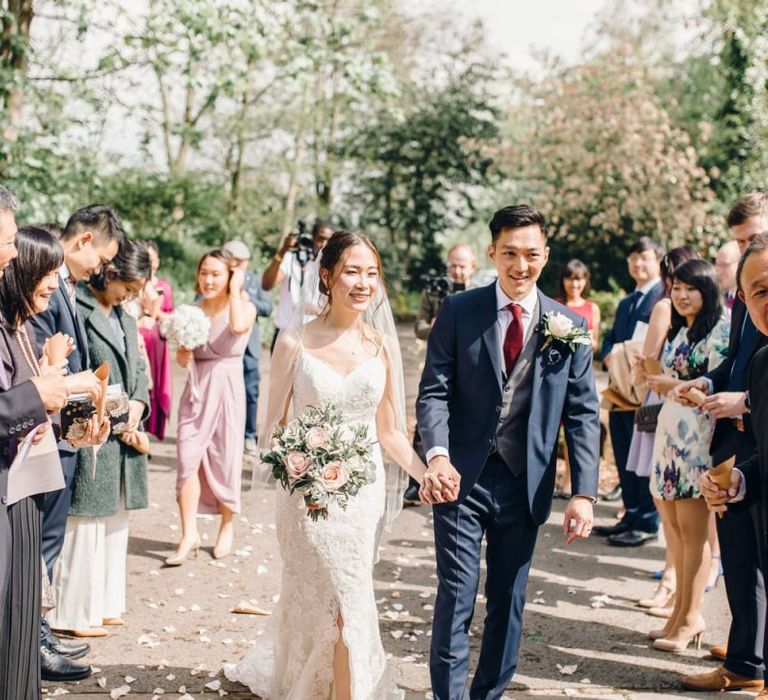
(22, 338)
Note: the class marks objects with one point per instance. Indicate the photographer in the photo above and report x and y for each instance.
(295, 268)
(459, 269)
(460, 266)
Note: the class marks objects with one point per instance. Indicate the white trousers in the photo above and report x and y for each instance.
(90, 576)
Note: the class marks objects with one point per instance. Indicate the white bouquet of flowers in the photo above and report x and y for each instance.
(322, 458)
(188, 327)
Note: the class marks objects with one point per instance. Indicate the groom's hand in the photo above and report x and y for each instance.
(578, 519)
(441, 481)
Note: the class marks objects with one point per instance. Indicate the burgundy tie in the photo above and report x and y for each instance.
(513, 341)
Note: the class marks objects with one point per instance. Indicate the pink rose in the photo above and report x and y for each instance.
(334, 476)
(317, 437)
(296, 463)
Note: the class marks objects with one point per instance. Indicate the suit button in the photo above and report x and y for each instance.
(11, 430)
(498, 409)
(490, 441)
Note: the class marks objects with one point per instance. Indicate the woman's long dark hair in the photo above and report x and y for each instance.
(700, 275)
(39, 255)
(131, 264)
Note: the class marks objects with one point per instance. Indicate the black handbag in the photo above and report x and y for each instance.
(647, 417)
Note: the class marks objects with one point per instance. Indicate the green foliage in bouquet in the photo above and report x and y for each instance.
(323, 458)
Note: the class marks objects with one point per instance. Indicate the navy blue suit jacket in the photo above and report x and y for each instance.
(625, 322)
(461, 390)
(60, 318)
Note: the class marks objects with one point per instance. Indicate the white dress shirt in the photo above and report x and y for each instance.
(503, 320)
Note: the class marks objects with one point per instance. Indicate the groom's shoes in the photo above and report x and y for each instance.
(609, 530)
(71, 651)
(632, 538)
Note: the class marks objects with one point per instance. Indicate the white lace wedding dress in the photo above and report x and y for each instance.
(327, 566)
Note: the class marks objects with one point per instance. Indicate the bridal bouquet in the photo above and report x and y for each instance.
(322, 458)
(188, 327)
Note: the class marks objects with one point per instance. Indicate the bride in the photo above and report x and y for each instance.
(325, 643)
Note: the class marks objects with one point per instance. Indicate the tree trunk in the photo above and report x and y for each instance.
(14, 56)
(293, 183)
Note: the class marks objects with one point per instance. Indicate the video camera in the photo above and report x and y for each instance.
(441, 286)
(304, 248)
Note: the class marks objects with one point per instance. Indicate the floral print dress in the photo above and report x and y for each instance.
(684, 434)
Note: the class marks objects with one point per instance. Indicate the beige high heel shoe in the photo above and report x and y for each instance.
(678, 646)
(662, 597)
(183, 553)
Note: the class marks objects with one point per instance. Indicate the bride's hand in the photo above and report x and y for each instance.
(441, 482)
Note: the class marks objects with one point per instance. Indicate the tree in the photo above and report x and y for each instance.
(594, 148)
(418, 173)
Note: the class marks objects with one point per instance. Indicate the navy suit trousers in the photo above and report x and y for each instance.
(635, 490)
(252, 379)
(497, 508)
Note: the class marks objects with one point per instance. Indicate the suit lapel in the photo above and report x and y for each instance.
(487, 317)
(77, 324)
(545, 306)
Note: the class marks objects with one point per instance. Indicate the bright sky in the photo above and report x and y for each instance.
(518, 27)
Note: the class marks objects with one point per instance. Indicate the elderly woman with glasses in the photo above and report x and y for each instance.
(90, 580)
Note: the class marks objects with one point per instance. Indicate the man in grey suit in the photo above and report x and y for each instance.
(263, 302)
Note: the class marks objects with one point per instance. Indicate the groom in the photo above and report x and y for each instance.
(491, 400)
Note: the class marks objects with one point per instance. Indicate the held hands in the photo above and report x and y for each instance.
(440, 483)
(717, 499)
(577, 519)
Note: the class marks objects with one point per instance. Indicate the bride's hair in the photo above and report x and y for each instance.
(333, 254)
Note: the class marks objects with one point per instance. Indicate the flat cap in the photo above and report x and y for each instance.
(238, 250)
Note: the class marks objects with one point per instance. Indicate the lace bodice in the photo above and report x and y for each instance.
(357, 394)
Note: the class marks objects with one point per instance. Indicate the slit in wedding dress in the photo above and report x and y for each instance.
(342, 673)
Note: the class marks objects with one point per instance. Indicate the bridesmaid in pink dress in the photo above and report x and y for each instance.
(157, 305)
(210, 432)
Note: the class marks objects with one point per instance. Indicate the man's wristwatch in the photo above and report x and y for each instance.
(747, 403)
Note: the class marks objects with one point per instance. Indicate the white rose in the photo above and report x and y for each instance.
(559, 325)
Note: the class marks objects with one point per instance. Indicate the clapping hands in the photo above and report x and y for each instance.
(440, 483)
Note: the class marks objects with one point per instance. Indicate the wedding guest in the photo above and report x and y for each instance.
(575, 285)
(697, 342)
(640, 521)
(25, 289)
(157, 305)
(210, 434)
(90, 579)
(726, 262)
(90, 239)
(738, 530)
(295, 268)
(460, 266)
(750, 477)
(263, 303)
(640, 456)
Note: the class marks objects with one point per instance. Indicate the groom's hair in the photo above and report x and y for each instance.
(517, 216)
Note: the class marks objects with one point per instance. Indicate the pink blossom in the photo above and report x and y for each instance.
(296, 463)
(334, 476)
(317, 437)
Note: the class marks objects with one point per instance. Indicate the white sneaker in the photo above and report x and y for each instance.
(250, 446)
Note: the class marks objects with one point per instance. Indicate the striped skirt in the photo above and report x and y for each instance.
(20, 643)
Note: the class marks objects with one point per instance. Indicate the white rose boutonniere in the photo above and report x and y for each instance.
(558, 328)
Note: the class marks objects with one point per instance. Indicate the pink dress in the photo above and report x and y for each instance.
(210, 434)
(160, 397)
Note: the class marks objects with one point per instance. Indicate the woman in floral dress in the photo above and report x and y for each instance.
(697, 342)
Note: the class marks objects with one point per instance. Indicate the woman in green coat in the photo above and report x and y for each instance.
(90, 577)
